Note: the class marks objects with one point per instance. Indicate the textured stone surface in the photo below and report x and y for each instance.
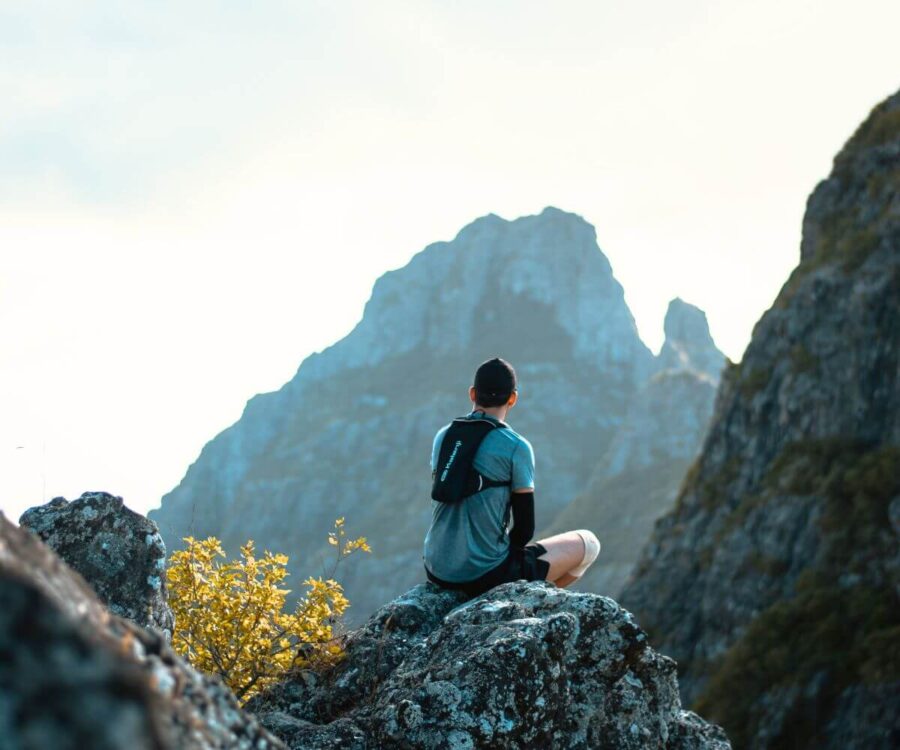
(525, 665)
(72, 675)
(775, 580)
(120, 553)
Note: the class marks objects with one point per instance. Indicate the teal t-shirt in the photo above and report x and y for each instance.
(467, 539)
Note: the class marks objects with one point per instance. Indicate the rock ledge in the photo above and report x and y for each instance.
(524, 665)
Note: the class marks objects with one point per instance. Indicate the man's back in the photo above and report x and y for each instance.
(468, 538)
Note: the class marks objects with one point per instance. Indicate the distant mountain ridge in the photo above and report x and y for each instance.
(638, 476)
(351, 433)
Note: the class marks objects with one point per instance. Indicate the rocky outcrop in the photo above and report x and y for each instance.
(775, 580)
(525, 665)
(637, 479)
(118, 552)
(350, 434)
(74, 676)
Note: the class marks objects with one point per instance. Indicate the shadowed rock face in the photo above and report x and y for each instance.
(525, 665)
(119, 552)
(775, 580)
(74, 676)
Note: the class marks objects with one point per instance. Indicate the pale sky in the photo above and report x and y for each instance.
(196, 196)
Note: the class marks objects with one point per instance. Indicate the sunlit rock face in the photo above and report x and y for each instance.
(350, 435)
(524, 665)
(774, 582)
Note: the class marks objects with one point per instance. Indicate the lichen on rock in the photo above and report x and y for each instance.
(75, 676)
(120, 553)
(524, 665)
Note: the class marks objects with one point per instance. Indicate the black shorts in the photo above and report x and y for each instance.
(520, 562)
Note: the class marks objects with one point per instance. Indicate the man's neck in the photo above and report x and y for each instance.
(497, 412)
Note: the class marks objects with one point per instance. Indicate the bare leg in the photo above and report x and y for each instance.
(565, 580)
(564, 552)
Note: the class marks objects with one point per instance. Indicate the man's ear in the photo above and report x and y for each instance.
(472, 396)
(513, 397)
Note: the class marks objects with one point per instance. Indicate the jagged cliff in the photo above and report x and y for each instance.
(774, 582)
(637, 479)
(350, 434)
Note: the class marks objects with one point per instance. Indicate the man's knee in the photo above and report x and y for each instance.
(591, 550)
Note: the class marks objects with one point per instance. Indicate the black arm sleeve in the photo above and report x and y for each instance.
(523, 518)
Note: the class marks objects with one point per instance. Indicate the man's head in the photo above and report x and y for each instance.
(495, 384)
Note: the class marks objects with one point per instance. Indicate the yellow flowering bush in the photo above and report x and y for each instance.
(230, 618)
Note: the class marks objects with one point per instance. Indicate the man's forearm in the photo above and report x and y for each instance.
(523, 518)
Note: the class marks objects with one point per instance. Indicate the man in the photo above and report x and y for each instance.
(468, 545)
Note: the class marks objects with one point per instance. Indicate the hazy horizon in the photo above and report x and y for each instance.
(194, 199)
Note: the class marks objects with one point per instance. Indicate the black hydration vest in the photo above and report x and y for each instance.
(455, 477)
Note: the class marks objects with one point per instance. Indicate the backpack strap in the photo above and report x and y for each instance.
(455, 477)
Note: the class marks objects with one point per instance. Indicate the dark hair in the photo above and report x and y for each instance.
(495, 381)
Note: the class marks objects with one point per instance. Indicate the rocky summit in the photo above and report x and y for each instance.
(525, 665)
(775, 580)
(350, 435)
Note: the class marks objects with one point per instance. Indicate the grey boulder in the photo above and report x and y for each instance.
(120, 553)
(524, 665)
(75, 676)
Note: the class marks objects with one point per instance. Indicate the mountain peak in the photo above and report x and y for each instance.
(503, 283)
(685, 321)
(550, 218)
(554, 212)
(856, 204)
(490, 222)
(536, 290)
(689, 344)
